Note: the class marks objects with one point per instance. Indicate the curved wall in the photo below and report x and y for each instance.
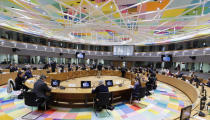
(203, 54)
(186, 44)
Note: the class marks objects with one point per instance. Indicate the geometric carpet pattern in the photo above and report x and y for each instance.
(162, 104)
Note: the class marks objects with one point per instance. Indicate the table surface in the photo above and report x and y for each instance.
(73, 85)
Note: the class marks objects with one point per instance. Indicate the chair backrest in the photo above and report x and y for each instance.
(10, 86)
(30, 99)
(103, 98)
(139, 92)
(142, 92)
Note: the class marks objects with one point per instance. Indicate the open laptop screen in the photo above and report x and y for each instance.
(109, 83)
(85, 84)
(55, 83)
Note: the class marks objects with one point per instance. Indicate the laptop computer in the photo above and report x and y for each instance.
(109, 83)
(55, 83)
(85, 84)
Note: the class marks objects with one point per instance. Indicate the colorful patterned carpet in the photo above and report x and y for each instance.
(162, 104)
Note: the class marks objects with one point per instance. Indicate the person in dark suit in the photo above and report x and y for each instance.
(102, 88)
(69, 67)
(123, 71)
(99, 67)
(46, 66)
(208, 83)
(40, 89)
(13, 68)
(61, 67)
(19, 82)
(28, 73)
(179, 74)
(137, 84)
(196, 80)
(53, 66)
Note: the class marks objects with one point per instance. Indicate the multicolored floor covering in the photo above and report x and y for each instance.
(162, 104)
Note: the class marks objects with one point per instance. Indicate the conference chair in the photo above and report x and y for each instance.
(138, 94)
(11, 89)
(103, 100)
(149, 86)
(30, 99)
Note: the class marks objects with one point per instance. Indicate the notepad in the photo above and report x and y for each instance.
(72, 85)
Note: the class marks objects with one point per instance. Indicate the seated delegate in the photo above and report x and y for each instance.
(137, 85)
(40, 89)
(13, 68)
(19, 83)
(28, 73)
(208, 83)
(102, 88)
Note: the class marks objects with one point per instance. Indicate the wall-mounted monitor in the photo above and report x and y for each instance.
(123, 50)
(80, 55)
(166, 58)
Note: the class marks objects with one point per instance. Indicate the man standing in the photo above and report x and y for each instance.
(99, 70)
(53, 66)
(123, 71)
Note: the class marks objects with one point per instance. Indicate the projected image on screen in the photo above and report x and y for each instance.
(123, 50)
(80, 55)
(166, 58)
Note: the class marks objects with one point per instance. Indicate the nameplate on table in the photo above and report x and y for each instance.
(72, 85)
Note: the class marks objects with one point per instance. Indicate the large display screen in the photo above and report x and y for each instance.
(123, 50)
(80, 55)
(166, 58)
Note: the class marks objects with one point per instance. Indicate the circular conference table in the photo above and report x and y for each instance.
(74, 95)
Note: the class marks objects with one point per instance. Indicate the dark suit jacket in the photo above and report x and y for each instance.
(28, 74)
(99, 67)
(40, 89)
(19, 83)
(13, 69)
(101, 88)
(208, 84)
(137, 86)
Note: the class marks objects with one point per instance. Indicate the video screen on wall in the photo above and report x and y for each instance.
(123, 50)
(166, 58)
(80, 55)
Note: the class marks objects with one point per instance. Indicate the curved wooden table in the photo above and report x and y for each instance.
(76, 96)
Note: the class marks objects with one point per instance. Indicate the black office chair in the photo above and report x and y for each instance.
(11, 87)
(150, 86)
(103, 100)
(138, 94)
(32, 100)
